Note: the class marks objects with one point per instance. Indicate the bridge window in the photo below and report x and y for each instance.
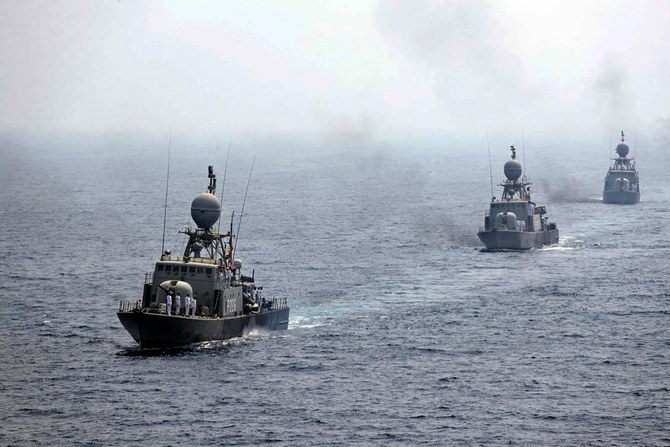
(208, 270)
(168, 268)
(184, 268)
(191, 269)
(160, 267)
(201, 270)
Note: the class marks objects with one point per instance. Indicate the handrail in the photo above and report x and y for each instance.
(273, 304)
(129, 306)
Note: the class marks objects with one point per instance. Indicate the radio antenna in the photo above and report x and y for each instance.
(488, 146)
(239, 222)
(523, 152)
(609, 154)
(223, 186)
(167, 184)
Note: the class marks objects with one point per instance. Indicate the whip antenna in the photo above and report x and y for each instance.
(167, 184)
(239, 222)
(610, 148)
(523, 152)
(490, 168)
(225, 171)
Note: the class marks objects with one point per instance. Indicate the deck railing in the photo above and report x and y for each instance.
(129, 306)
(276, 303)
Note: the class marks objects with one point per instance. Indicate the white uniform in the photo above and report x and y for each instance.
(177, 304)
(193, 306)
(187, 305)
(168, 304)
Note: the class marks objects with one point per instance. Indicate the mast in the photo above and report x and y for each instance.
(621, 162)
(205, 211)
(512, 186)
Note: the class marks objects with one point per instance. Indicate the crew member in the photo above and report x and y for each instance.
(194, 305)
(168, 303)
(187, 305)
(177, 304)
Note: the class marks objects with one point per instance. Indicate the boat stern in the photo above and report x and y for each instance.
(495, 240)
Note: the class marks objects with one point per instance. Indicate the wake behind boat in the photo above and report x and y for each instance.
(622, 182)
(515, 222)
(201, 295)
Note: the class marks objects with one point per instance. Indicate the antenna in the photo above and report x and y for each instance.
(230, 240)
(523, 153)
(609, 154)
(167, 184)
(635, 145)
(488, 146)
(239, 222)
(212, 180)
(610, 148)
(223, 185)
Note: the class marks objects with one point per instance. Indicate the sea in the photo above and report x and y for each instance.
(402, 330)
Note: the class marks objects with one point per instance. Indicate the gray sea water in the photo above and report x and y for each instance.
(401, 331)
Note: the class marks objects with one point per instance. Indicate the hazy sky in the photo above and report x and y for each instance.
(354, 67)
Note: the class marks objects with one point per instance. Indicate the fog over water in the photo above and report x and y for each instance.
(353, 69)
(371, 124)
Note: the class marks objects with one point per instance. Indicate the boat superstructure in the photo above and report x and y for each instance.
(622, 182)
(201, 295)
(515, 222)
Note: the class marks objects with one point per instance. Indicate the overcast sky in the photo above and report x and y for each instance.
(350, 67)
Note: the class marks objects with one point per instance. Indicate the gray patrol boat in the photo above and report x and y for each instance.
(226, 303)
(515, 222)
(622, 182)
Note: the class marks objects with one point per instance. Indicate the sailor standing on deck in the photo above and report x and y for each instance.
(193, 306)
(187, 305)
(221, 278)
(177, 303)
(168, 303)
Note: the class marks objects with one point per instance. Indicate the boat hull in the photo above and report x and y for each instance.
(621, 197)
(154, 330)
(500, 240)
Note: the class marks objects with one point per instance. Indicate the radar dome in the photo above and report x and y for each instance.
(513, 169)
(622, 149)
(205, 210)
